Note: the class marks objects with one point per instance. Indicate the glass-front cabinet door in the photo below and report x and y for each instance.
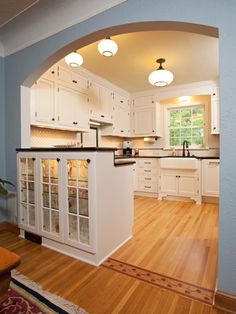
(50, 203)
(79, 213)
(27, 193)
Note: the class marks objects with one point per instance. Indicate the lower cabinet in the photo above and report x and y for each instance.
(147, 176)
(55, 198)
(211, 177)
(180, 183)
(70, 199)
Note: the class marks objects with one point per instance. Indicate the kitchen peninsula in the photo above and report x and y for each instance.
(77, 200)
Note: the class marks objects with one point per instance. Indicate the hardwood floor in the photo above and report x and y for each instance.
(176, 239)
(101, 290)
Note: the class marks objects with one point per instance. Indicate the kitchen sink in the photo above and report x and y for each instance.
(190, 163)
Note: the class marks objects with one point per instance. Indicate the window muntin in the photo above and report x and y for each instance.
(187, 123)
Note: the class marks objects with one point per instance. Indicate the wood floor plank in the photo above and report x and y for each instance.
(180, 234)
(176, 239)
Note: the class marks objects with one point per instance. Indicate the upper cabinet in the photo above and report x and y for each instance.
(100, 102)
(43, 102)
(58, 105)
(146, 117)
(72, 79)
(215, 111)
(120, 117)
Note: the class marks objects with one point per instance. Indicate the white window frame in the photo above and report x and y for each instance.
(169, 107)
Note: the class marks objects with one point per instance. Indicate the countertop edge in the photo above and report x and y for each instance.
(67, 149)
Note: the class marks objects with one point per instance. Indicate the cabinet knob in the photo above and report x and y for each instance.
(153, 131)
(53, 119)
(53, 72)
(58, 159)
(33, 158)
(214, 128)
(122, 131)
(102, 115)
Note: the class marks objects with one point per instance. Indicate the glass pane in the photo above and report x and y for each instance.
(73, 227)
(45, 195)
(45, 170)
(30, 169)
(31, 215)
(54, 171)
(72, 192)
(83, 207)
(197, 141)
(71, 169)
(23, 193)
(185, 133)
(83, 170)
(175, 118)
(174, 132)
(185, 113)
(84, 230)
(23, 168)
(54, 189)
(175, 141)
(55, 221)
(46, 220)
(186, 122)
(54, 201)
(72, 205)
(31, 192)
(23, 208)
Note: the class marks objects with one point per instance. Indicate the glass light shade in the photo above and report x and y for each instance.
(74, 59)
(107, 47)
(160, 77)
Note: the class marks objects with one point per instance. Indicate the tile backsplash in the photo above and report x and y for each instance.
(43, 137)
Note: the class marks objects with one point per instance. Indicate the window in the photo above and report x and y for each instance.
(187, 123)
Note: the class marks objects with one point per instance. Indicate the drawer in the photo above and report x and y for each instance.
(150, 172)
(147, 163)
(147, 178)
(151, 187)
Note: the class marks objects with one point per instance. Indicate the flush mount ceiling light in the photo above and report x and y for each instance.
(160, 77)
(107, 47)
(74, 59)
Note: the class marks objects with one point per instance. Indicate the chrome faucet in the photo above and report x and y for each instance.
(185, 146)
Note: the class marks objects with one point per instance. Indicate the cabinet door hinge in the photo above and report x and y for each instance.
(58, 118)
(36, 114)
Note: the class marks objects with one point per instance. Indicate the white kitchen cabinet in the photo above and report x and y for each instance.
(72, 79)
(73, 110)
(146, 117)
(215, 111)
(211, 177)
(120, 118)
(27, 217)
(43, 109)
(50, 198)
(147, 176)
(180, 182)
(70, 200)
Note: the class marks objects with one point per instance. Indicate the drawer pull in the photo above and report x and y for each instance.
(147, 170)
(147, 178)
(147, 186)
(147, 162)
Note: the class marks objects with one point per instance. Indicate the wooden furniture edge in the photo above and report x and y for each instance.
(225, 301)
(5, 225)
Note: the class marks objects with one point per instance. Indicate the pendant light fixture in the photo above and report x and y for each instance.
(107, 47)
(160, 77)
(74, 59)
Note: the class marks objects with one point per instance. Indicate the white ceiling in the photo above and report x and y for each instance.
(10, 9)
(45, 18)
(191, 57)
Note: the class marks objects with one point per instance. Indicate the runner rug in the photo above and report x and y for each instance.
(27, 297)
(186, 289)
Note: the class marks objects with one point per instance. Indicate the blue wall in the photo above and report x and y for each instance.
(2, 136)
(216, 13)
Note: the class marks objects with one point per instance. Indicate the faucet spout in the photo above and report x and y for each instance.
(185, 146)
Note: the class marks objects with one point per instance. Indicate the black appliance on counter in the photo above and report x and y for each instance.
(127, 151)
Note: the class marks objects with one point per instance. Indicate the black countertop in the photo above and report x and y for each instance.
(67, 149)
(193, 156)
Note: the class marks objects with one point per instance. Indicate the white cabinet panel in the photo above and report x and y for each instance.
(215, 111)
(147, 175)
(73, 110)
(169, 184)
(72, 79)
(187, 185)
(211, 177)
(146, 117)
(43, 102)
